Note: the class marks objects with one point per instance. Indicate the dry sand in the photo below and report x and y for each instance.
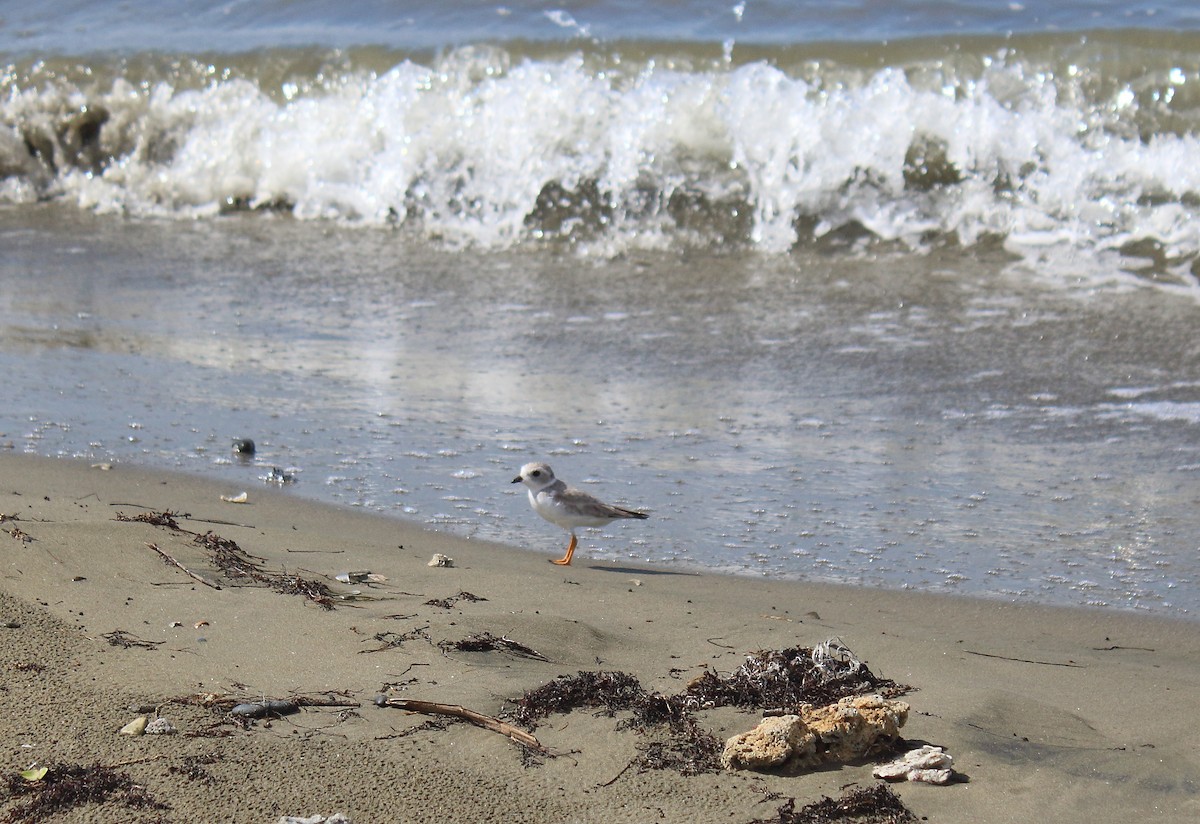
(1053, 714)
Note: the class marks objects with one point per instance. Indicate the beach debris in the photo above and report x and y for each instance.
(611, 691)
(265, 709)
(686, 747)
(243, 446)
(514, 734)
(486, 642)
(160, 726)
(840, 733)
(171, 560)
(240, 498)
(135, 727)
(780, 680)
(362, 576)
(336, 818)
(16, 532)
(229, 710)
(859, 805)
(279, 476)
(166, 518)
(103, 467)
(199, 624)
(235, 563)
(929, 764)
(392, 640)
(440, 560)
(192, 767)
(65, 786)
(797, 677)
(450, 600)
(19, 534)
(34, 773)
(123, 639)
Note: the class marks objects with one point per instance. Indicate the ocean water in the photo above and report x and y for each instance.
(899, 294)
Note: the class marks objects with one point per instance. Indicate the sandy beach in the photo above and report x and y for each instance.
(1050, 714)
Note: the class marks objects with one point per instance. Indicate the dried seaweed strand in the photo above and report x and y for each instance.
(1025, 660)
(235, 562)
(486, 642)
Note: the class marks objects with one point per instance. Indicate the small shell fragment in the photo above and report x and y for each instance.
(440, 560)
(235, 499)
(199, 624)
(360, 576)
(135, 727)
(929, 764)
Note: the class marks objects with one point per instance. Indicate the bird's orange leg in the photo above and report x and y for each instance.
(566, 559)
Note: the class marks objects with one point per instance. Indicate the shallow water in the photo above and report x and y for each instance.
(951, 421)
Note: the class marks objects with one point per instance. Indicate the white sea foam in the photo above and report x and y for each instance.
(481, 148)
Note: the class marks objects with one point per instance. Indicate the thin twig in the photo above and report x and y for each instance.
(514, 734)
(187, 571)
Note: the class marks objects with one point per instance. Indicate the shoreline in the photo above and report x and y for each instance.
(1054, 713)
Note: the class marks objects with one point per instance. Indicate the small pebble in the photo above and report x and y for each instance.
(160, 726)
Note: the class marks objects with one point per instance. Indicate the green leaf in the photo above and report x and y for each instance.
(34, 773)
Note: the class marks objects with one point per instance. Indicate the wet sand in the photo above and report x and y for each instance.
(1053, 714)
(938, 422)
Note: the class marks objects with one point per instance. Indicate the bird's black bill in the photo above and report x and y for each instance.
(517, 479)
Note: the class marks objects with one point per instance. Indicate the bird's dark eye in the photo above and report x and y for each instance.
(536, 472)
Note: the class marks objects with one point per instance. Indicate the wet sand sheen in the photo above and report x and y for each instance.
(939, 422)
(1055, 714)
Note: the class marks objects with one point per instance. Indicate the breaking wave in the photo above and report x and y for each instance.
(1084, 143)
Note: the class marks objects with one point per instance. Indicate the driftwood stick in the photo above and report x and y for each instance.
(514, 734)
(187, 571)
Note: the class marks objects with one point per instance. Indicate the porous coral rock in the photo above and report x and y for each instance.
(842, 732)
(929, 764)
(769, 744)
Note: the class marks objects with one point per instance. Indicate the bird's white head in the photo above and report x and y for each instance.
(535, 476)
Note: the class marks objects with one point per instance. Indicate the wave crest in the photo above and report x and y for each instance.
(491, 148)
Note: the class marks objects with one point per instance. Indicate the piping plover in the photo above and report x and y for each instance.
(567, 506)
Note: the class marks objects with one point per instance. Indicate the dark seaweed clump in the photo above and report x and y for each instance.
(768, 680)
(686, 747)
(874, 805)
(610, 691)
(66, 786)
(784, 679)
